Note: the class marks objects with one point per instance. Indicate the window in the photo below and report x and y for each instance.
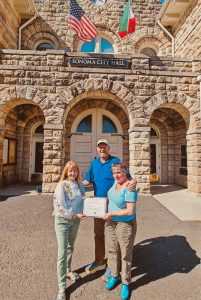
(153, 132)
(39, 129)
(108, 126)
(44, 46)
(148, 51)
(9, 151)
(98, 45)
(183, 163)
(85, 125)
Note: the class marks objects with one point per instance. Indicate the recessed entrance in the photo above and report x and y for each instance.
(90, 126)
(36, 160)
(155, 156)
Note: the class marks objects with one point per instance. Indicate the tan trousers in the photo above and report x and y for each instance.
(121, 236)
(99, 236)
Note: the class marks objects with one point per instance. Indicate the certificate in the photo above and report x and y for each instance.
(95, 207)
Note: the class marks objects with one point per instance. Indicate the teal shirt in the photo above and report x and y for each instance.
(118, 201)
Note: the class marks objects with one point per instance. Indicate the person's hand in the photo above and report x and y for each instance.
(107, 217)
(81, 216)
(131, 185)
(83, 197)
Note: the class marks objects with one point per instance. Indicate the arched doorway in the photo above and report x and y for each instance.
(36, 153)
(87, 128)
(20, 120)
(155, 155)
(171, 127)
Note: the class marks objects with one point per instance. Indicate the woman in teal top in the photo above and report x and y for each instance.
(121, 228)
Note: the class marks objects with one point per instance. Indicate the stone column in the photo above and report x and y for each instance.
(53, 156)
(194, 160)
(139, 146)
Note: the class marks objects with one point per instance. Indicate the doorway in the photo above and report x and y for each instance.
(87, 129)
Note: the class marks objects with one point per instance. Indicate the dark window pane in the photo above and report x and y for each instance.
(183, 150)
(183, 171)
(183, 162)
(149, 52)
(44, 46)
(39, 129)
(85, 125)
(39, 158)
(153, 132)
(152, 158)
(108, 126)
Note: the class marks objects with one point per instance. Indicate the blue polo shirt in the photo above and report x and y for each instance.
(100, 174)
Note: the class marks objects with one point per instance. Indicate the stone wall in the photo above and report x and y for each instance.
(187, 32)
(51, 85)
(52, 25)
(9, 24)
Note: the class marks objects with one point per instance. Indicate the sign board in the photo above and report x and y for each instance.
(99, 62)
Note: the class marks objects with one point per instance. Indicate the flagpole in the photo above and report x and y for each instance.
(129, 7)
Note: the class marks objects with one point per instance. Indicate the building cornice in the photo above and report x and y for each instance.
(172, 11)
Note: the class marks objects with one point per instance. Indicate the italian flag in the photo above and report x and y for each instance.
(128, 21)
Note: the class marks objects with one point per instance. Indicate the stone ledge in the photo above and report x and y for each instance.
(24, 67)
(139, 129)
(194, 131)
(52, 126)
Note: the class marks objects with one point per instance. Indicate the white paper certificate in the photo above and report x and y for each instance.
(95, 207)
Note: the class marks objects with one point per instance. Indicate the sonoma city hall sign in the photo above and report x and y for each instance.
(99, 62)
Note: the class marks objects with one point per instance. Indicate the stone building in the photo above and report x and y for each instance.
(59, 95)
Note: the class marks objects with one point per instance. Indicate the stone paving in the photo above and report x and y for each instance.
(166, 256)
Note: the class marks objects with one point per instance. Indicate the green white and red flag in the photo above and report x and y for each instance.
(128, 21)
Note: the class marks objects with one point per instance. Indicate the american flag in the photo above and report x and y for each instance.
(80, 23)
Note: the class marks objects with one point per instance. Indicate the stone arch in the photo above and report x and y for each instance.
(107, 104)
(155, 36)
(11, 97)
(149, 42)
(180, 102)
(99, 89)
(38, 31)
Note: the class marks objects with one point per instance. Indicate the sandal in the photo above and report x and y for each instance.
(73, 276)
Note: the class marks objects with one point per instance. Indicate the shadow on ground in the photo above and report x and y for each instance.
(4, 198)
(162, 189)
(153, 259)
(160, 257)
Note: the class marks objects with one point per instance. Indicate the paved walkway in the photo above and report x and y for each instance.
(184, 205)
(166, 256)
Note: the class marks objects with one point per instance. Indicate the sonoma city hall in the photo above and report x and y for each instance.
(60, 94)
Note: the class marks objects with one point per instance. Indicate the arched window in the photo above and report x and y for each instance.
(98, 45)
(108, 126)
(148, 51)
(153, 132)
(85, 125)
(44, 46)
(39, 129)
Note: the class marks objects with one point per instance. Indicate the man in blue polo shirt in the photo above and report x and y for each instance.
(100, 174)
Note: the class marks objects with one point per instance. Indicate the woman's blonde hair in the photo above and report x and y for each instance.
(121, 165)
(71, 164)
